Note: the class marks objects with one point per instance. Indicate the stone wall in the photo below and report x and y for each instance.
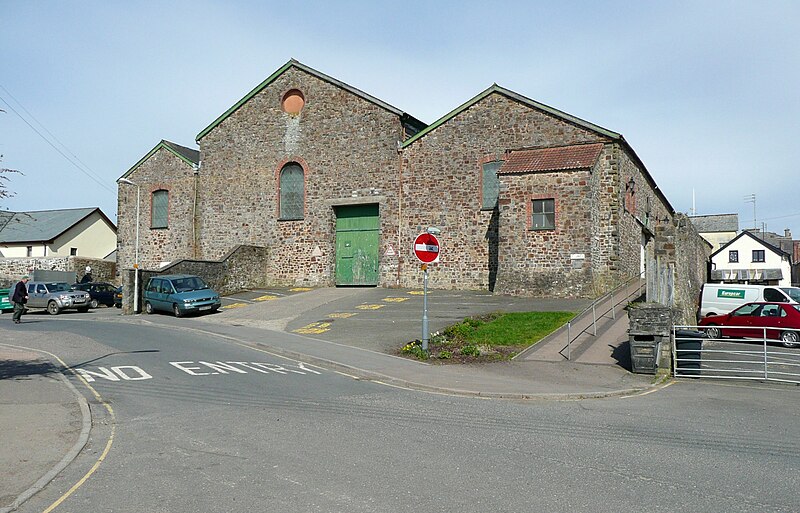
(347, 147)
(678, 268)
(162, 171)
(441, 186)
(243, 268)
(12, 269)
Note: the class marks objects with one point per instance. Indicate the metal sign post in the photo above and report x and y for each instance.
(425, 332)
(426, 248)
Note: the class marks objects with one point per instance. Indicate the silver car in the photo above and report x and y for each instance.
(56, 296)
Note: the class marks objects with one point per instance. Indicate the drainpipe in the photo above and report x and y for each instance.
(196, 173)
(399, 207)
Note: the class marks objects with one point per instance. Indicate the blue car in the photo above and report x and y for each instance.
(180, 294)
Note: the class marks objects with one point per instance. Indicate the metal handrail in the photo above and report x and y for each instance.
(593, 308)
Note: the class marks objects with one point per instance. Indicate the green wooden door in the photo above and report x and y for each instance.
(357, 244)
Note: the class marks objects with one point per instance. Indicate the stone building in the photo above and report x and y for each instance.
(336, 184)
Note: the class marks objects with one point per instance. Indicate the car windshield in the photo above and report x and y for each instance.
(58, 287)
(792, 292)
(188, 284)
(796, 307)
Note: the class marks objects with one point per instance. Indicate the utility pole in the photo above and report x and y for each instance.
(751, 198)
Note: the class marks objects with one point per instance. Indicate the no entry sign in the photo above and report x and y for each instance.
(426, 247)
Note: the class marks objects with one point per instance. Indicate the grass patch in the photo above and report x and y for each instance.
(497, 336)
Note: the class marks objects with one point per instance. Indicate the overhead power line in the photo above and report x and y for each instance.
(74, 160)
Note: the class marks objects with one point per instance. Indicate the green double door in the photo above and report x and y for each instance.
(357, 237)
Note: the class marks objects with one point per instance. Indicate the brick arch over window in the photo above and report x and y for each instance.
(159, 208)
(291, 179)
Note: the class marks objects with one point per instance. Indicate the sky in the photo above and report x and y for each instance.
(707, 93)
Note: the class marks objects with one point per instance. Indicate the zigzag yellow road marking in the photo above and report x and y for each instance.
(369, 307)
(341, 315)
(395, 299)
(265, 298)
(234, 305)
(416, 292)
(300, 289)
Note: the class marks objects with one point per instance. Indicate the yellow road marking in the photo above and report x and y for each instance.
(235, 305)
(341, 315)
(416, 292)
(315, 328)
(369, 307)
(395, 299)
(300, 289)
(265, 298)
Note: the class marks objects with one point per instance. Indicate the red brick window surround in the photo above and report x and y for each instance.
(542, 214)
(159, 209)
(293, 101)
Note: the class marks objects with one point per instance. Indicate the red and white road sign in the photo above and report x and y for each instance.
(426, 247)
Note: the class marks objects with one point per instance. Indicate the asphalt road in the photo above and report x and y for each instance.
(188, 422)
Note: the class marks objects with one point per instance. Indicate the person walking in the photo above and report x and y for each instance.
(19, 298)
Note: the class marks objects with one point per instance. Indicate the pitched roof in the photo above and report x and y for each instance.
(43, 225)
(188, 155)
(514, 96)
(716, 223)
(746, 233)
(581, 156)
(311, 71)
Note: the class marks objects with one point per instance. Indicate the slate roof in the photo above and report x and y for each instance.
(767, 245)
(583, 156)
(716, 223)
(43, 225)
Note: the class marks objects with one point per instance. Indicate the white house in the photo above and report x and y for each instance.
(748, 259)
(85, 232)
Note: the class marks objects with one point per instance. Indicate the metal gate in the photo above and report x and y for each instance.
(696, 354)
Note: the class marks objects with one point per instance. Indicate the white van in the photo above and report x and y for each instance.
(721, 298)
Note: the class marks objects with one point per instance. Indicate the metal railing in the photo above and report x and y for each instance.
(610, 297)
(760, 357)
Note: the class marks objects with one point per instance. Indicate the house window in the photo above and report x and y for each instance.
(293, 102)
(291, 191)
(490, 184)
(29, 251)
(544, 214)
(160, 209)
(73, 251)
(758, 255)
(733, 256)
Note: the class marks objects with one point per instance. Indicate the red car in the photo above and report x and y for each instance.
(782, 321)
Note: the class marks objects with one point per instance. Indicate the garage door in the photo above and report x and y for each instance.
(357, 236)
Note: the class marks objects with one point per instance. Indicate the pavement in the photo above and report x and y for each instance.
(46, 422)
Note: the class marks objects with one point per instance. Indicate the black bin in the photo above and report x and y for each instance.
(645, 350)
(688, 349)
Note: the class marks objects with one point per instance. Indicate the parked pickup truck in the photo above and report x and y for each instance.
(56, 296)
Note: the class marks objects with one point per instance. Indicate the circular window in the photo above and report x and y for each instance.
(293, 102)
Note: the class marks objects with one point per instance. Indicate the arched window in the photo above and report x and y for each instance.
(159, 205)
(291, 191)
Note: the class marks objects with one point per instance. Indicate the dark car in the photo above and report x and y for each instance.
(101, 293)
(780, 321)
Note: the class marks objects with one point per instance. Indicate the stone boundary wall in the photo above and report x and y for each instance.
(242, 268)
(679, 271)
(11, 269)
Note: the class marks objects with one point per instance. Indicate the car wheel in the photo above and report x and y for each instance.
(177, 311)
(93, 303)
(148, 308)
(713, 332)
(789, 338)
(52, 308)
